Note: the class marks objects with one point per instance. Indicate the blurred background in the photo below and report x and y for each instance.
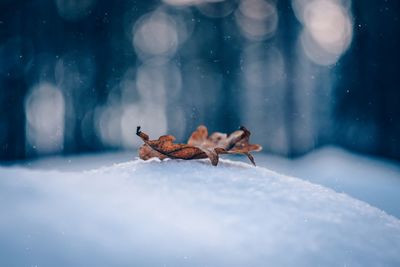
(78, 76)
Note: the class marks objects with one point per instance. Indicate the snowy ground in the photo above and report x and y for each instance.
(372, 180)
(180, 213)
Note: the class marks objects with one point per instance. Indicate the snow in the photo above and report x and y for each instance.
(372, 180)
(186, 213)
(375, 181)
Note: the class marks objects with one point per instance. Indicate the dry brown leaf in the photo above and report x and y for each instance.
(165, 148)
(235, 143)
(199, 145)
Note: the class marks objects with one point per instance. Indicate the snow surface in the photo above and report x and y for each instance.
(373, 180)
(186, 213)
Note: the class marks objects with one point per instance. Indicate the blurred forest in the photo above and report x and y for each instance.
(80, 75)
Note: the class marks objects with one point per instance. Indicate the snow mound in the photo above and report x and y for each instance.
(372, 180)
(186, 213)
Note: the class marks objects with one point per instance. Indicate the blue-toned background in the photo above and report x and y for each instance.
(79, 76)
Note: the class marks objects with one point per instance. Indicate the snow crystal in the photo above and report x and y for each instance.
(186, 213)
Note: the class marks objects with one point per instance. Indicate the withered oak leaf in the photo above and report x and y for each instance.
(199, 146)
